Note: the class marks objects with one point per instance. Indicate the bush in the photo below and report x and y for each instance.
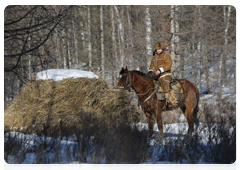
(214, 141)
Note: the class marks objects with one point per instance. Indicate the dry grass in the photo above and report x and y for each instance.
(63, 103)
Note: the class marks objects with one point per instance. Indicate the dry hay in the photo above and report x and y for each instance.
(64, 103)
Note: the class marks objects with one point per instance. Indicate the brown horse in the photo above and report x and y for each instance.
(144, 87)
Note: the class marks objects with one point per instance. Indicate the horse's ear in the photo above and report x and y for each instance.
(122, 71)
(126, 68)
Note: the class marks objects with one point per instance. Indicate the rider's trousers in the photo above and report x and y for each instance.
(168, 93)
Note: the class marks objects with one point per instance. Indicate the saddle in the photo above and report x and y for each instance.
(174, 85)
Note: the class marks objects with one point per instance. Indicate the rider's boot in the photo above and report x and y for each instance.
(173, 101)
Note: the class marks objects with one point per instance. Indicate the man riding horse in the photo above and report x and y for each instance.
(160, 68)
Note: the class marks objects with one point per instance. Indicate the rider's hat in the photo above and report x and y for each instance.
(159, 45)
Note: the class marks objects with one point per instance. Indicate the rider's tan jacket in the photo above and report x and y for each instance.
(162, 62)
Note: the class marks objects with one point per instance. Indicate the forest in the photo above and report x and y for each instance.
(102, 39)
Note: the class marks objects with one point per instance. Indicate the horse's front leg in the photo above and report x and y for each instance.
(150, 122)
(159, 122)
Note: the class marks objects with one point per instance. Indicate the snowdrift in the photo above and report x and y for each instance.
(51, 105)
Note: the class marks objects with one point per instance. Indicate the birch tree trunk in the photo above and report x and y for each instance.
(57, 49)
(193, 58)
(148, 37)
(219, 94)
(68, 52)
(64, 50)
(29, 55)
(121, 33)
(42, 58)
(172, 30)
(82, 37)
(199, 46)
(11, 88)
(226, 22)
(102, 41)
(131, 48)
(120, 48)
(29, 60)
(194, 42)
(114, 46)
(178, 61)
(200, 64)
(89, 40)
(75, 43)
(222, 69)
(205, 67)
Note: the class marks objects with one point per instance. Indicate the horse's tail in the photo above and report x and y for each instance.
(196, 109)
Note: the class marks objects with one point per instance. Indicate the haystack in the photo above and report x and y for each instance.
(63, 103)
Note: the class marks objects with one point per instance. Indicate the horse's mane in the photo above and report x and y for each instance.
(138, 72)
(142, 74)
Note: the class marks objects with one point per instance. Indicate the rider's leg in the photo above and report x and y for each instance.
(168, 93)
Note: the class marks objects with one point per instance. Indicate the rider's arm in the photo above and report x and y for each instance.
(151, 67)
(168, 64)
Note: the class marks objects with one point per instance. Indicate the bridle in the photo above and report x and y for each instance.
(126, 85)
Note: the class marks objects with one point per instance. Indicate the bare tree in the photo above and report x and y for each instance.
(64, 49)
(75, 42)
(29, 55)
(226, 16)
(121, 34)
(148, 36)
(89, 40)
(58, 36)
(68, 52)
(172, 16)
(57, 49)
(114, 44)
(222, 62)
(130, 36)
(102, 43)
(178, 63)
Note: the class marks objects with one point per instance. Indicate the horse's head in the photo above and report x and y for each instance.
(125, 81)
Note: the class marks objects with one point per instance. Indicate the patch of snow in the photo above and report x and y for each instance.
(60, 74)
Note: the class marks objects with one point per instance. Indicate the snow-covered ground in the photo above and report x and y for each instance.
(172, 131)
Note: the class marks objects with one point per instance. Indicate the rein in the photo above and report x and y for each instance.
(149, 97)
(145, 86)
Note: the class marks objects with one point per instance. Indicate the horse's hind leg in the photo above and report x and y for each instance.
(188, 113)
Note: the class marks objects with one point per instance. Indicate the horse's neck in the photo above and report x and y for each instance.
(140, 83)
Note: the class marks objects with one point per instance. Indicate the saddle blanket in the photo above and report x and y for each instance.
(175, 86)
